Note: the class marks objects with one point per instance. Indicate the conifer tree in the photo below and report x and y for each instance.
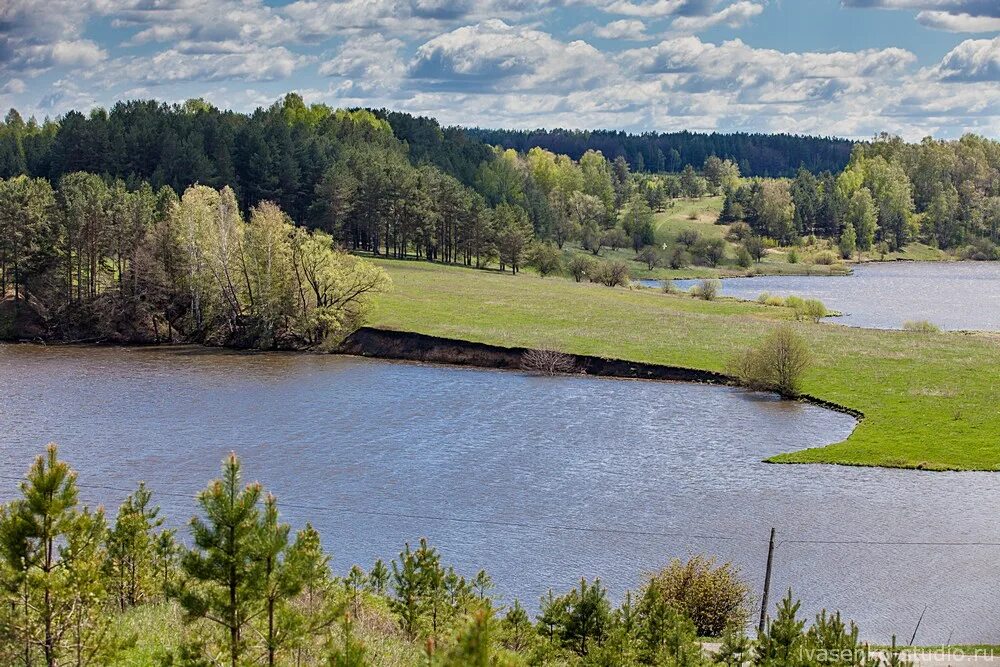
(588, 616)
(224, 566)
(783, 642)
(53, 551)
(131, 544)
(378, 578)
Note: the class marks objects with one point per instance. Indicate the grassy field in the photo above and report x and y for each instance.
(930, 400)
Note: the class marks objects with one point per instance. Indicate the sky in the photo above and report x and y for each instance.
(850, 68)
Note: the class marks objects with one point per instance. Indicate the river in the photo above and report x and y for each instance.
(951, 295)
(538, 480)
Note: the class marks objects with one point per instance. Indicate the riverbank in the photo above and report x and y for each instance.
(929, 399)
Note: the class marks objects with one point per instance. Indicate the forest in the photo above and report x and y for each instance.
(755, 154)
(151, 222)
(238, 587)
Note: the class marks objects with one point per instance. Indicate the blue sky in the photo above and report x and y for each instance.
(841, 67)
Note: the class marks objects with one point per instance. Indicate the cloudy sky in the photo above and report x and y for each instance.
(841, 67)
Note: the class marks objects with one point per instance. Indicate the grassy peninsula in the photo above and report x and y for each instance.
(930, 400)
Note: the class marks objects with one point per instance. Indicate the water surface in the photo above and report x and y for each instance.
(952, 295)
(538, 480)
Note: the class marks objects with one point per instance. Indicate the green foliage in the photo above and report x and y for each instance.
(776, 365)
(610, 274)
(921, 326)
(706, 290)
(580, 267)
(52, 553)
(712, 596)
(546, 259)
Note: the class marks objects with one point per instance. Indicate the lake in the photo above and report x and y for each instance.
(538, 480)
(952, 295)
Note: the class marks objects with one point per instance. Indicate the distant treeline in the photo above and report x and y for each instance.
(754, 154)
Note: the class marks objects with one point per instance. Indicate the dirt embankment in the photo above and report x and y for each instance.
(385, 344)
(405, 345)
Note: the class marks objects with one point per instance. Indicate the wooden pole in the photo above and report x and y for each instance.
(767, 584)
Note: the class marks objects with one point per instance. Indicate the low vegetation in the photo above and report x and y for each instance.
(921, 326)
(889, 376)
(242, 589)
(777, 364)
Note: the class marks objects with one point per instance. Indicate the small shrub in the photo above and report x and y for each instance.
(777, 364)
(793, 257)
(814, 310)
(615, 238)
(668, 287)
(739, 232)
(706, 290)
(796, 303)
(580, 267)
(649, 256)
(688, 237)
(547, 362)
(546, 259)
(981, 250)
(824, 258)
(712, 596)
(679, 257)
(743, 257)
(611, 274)
(921, 326)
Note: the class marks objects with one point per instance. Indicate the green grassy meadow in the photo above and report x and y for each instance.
(930, 401)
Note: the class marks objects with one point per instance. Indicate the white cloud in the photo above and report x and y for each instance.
(624, 29)
(173, 66)
(370, 62)
(974, 60)
(14, 87)
(958, 22)
(494, 55)
(734, 16)
(657, 8)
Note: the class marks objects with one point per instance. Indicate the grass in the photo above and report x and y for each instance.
(930, 399)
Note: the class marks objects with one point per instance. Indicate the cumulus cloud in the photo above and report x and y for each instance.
(958, 22)
(495, 55)
(734, 16)
(623, 29)
(369, 62)
(950, 15)
(174, 65)
(974, 60)
(657, 8)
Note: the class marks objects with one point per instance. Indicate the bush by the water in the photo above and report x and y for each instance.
(706, 290)
(610, 274)
(921, 326)
(777, 364)
(547, 362)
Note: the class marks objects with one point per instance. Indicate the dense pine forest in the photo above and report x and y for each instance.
(154, 222)
(754, 154)
(239, 587)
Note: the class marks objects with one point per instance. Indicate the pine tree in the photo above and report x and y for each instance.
(53, 550)
(783, 643)
(588, 616)
(351, 652)
(131, 545)
(378, 578)
(224, 565)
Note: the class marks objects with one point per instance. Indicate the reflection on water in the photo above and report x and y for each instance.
(520, 475)
(952, 295)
